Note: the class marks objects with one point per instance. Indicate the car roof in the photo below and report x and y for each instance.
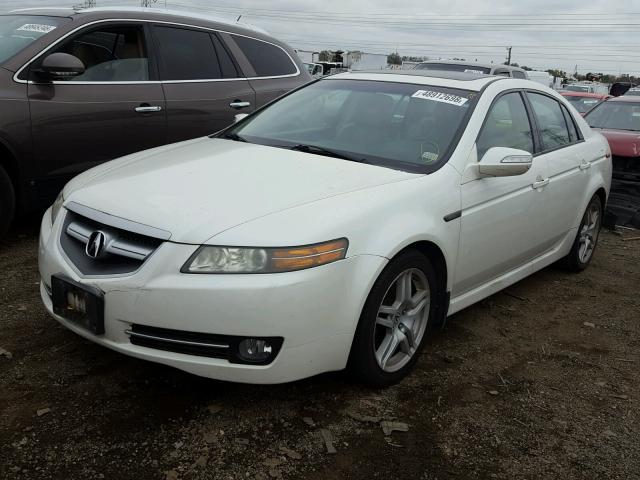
(461, 80)
(137, 12)
(625, 98)
(476, 64)
(569, 93)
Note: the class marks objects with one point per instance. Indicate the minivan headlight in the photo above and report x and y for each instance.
(56, 207)
(213, 259)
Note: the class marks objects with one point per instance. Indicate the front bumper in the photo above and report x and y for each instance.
(316, 310)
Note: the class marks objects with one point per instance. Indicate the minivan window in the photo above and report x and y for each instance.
(110, 54)
(187, 54)
(266, 59)
(19, 31)
(551, 122)
(518, 74)
(507, 125)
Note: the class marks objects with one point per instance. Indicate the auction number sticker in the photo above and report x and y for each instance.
(36, 27)
(440, 97)
(471, 70)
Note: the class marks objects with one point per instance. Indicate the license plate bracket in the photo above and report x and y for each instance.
(80, 304)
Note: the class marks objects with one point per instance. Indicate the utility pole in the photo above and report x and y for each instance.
(509, 55)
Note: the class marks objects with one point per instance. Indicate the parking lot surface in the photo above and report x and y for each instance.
(538, 381)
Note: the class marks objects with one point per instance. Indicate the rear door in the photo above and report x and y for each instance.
(114, 108)
(203, 86)
(270, 69)
(568, 162)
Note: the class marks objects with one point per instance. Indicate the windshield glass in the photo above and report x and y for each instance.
(582, 104)
(18, 31)
(403, 126)
(454, 67)
(615, 115)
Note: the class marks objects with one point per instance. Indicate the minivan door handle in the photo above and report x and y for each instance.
(540, 182)
(238, 104)
(146, 108)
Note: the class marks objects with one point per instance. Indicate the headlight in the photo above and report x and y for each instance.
(56, 207)
(209, 259)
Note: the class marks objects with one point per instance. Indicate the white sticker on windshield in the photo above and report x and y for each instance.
(471, 70)
(589, 102)
(440, 97)
(36, 27)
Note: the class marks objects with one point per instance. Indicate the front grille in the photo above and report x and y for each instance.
(199, 344)
(123, 251)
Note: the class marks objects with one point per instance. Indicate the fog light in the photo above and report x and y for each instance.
(254, 350)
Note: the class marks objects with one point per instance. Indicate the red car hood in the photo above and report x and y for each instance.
(623, 143)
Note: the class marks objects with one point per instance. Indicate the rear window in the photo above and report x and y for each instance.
(454, 67)
(266, 59)
(583, 104)
(187, 54)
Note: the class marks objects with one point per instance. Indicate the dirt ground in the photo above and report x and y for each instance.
(538, 382)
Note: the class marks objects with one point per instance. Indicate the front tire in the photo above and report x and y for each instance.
(7, 202)
(587, 238)
(399, 312)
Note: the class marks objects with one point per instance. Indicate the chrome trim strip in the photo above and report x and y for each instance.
(17, 74)
(131, 333)
(118, 222)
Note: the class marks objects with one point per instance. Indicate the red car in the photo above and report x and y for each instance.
(618, 119)
(582, 101)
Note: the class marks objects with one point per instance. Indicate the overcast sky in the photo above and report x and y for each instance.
(544, 33)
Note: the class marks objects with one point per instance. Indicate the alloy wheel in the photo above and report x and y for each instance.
(589, 232)
(402, 320)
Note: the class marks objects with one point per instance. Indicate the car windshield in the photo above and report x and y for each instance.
(454, 67)
(397, 125)
(615, 115)
(583, 104)
(19, 31)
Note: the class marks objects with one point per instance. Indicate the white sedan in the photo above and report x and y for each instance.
(292, 243)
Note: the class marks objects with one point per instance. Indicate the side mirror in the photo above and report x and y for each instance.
(239, 117)
(59, 66)
(505, 162)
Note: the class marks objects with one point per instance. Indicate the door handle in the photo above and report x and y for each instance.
(148, 108)
(585, 165)
(238, 104)
(540, 182)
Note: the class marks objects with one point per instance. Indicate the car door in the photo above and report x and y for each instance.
(203, 87)
(114, 108)
(502, 216)
(567, 158)
(271, 71)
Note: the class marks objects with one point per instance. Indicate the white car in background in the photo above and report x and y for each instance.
(291, 244)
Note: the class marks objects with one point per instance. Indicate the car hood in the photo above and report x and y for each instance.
(201, 188)
(623, 143)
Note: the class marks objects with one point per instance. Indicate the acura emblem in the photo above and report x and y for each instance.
(96, 244)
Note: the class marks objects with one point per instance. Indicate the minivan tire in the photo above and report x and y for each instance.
(363, 362)
(7, 202)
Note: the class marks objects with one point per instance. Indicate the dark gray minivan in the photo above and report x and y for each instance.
(78, 88)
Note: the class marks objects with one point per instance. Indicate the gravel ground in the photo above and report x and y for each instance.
(539, 381)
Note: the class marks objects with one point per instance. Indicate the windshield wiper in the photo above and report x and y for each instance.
(235, 137)
(327, 152)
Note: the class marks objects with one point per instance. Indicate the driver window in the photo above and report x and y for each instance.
(507, 125)
(110, 54)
